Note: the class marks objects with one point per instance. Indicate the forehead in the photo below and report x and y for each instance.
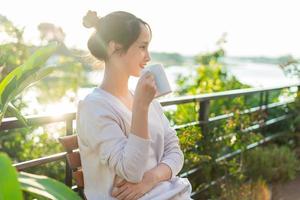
(145, 35)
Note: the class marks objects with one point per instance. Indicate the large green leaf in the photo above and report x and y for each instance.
(20, 78)
(12, 88)
(33, 78)
(46, 187)
(13, 92)
(9, 186)
(38, 58)
(7, 91)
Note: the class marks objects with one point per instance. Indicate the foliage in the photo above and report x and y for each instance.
(291, 67)
(26, 143)
(34, 142)
(273, 164)
(21, 77)
(204, 145)
(10, 188)
(294, 124)
(225, 136)
(170, 58)
(11, 184)
(31, 143)
(257, 190)
(13, 52)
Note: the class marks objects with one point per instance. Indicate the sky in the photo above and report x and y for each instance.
(253, 27)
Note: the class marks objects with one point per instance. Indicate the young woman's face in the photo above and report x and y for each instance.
(137, 56)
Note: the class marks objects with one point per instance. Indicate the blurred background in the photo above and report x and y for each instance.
(205, 46)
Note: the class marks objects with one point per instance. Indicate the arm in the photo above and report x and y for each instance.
(173, 155)
(143, 96)
(161, 172)
(150, 179)
(101, 130)
(139, 122)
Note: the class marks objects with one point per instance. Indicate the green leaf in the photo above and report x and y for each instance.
(38, 75)
(38, 58)
(12, 92)
(23, 76)
(33, 78)
(9, 186)
(12, 109)
(8, 90)
(46, 187)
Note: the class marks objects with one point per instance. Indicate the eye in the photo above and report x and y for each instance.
(143, 47)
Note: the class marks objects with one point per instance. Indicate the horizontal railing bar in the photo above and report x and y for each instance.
(12, 122)
(226, 116)
(178, 127)
(278, 104)
(39, 161)
(212, 183)
(257, 126)
(251, 110)
(217, 95)
(268, 122)
(268, 106)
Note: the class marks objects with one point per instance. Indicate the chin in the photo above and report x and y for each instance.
(137, 73)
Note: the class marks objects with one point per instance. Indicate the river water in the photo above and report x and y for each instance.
(253, 74)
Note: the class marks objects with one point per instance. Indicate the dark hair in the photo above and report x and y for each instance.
(120, 27)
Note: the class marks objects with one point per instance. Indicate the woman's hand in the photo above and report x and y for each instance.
(145, 89)
(132, 191)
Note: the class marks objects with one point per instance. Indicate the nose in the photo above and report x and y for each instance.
(148, 58)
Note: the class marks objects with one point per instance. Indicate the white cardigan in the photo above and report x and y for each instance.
(108, 149)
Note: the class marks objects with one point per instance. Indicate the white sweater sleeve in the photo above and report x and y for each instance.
(101, 130)
(173, 156)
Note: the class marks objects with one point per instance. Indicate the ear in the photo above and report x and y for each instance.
(113, 47)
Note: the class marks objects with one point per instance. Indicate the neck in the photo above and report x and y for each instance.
(115, 81)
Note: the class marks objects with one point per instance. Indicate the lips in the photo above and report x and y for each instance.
(143, 65)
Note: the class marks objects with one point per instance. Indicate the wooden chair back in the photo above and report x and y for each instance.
(70, 144)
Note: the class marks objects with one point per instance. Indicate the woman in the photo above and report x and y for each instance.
(127, 147)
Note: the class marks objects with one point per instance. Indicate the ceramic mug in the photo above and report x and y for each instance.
(162, 84)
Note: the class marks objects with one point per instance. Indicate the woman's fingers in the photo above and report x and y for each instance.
(121, 183)
(118, 191)
(123, 195)
(137, 196)
(131, 196)
(114, 191)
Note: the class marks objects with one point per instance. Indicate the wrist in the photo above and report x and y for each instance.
(151, 178)
(138, 106)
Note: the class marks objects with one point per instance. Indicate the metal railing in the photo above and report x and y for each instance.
(203, 102)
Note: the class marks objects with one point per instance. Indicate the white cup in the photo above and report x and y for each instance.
(162, 84)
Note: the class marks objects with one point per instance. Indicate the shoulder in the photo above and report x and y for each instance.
(95, 104)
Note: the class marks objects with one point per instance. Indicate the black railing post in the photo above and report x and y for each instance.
(266, 101)
(204, 116)
(69, 131)
(266, 104)
(261, 100)
(265, 111)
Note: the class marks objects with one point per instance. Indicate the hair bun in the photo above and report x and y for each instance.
(91, 20)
